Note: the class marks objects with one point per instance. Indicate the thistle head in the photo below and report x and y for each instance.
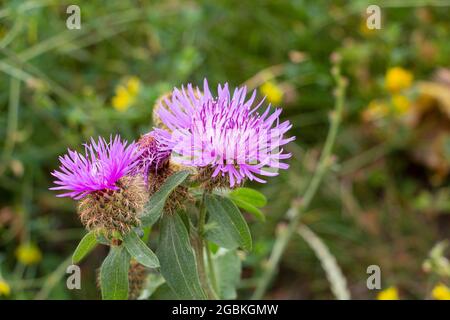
(224, 136)
(110, 198)
(114, 211)
(154, 154)
(98, 169)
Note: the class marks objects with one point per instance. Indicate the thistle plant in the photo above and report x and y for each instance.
(185, 179)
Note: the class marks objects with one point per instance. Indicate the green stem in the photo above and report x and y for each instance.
(202, 217)
(12, 125)
(212, 271)
(298, 207)
(199, 247)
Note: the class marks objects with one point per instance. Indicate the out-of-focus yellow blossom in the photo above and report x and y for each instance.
(28, 254)
(125, 94)
(122, 100)
(441, 292)
(375, 110)
(398, 79)
(5, 289)
(272, 91)
(133, 85)
(401, 104)
(390, 293)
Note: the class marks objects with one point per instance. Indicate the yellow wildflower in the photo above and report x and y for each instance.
(398, 79)
(125, 94)
(123, 99)
(441, 292)
(133, 85)
(390, 293)
(5, 289)
(401, 104)
(375, 110)
(272, 91)
(28, 254)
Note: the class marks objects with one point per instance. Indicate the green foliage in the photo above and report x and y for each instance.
(178, 265)
(57, 87)
(154, 282)
(86, 245)
(139, 250)
(114, 274)
(229, 229)
(154, 207)
(249, 200)
(228, 266)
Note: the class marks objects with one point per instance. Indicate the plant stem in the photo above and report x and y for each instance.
(199, 247)
(212, 272)
(298, 207)
(12, 124)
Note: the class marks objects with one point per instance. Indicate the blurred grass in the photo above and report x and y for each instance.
(56, 87)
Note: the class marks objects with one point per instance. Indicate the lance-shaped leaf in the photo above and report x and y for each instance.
(176, 256)
(85, 246)
(154, 207)
(114, 274)
(228, 271)
(249, 200)
(227, 228)
(139, 250)
(251, 196)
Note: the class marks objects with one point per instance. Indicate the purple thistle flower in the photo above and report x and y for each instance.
(102, 165)
(225, 132)
(154, 153)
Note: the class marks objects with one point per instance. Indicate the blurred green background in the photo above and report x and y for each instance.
(386, 200)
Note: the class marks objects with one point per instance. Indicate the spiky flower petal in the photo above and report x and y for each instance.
(225, 133)
(101, 166)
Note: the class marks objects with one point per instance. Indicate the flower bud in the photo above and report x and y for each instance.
(109, 211)
(137, 274)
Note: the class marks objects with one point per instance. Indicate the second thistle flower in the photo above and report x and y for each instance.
(110, 198)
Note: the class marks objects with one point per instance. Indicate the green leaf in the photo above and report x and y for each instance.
(258, 214)
(251, 196)
(228, 272)
(154, 281)
(178, 265)
(154, 207)
(114, 274)
(230, 229)
(164, 292)
(249, 200)
(85, 246)
(139, 250)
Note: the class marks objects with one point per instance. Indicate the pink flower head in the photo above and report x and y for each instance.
(102, 165)
(225, 132)
(154, 153)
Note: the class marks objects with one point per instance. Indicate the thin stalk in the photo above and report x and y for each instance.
(298, 207)
(199, 247)
(212, 271)
(12, 125)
